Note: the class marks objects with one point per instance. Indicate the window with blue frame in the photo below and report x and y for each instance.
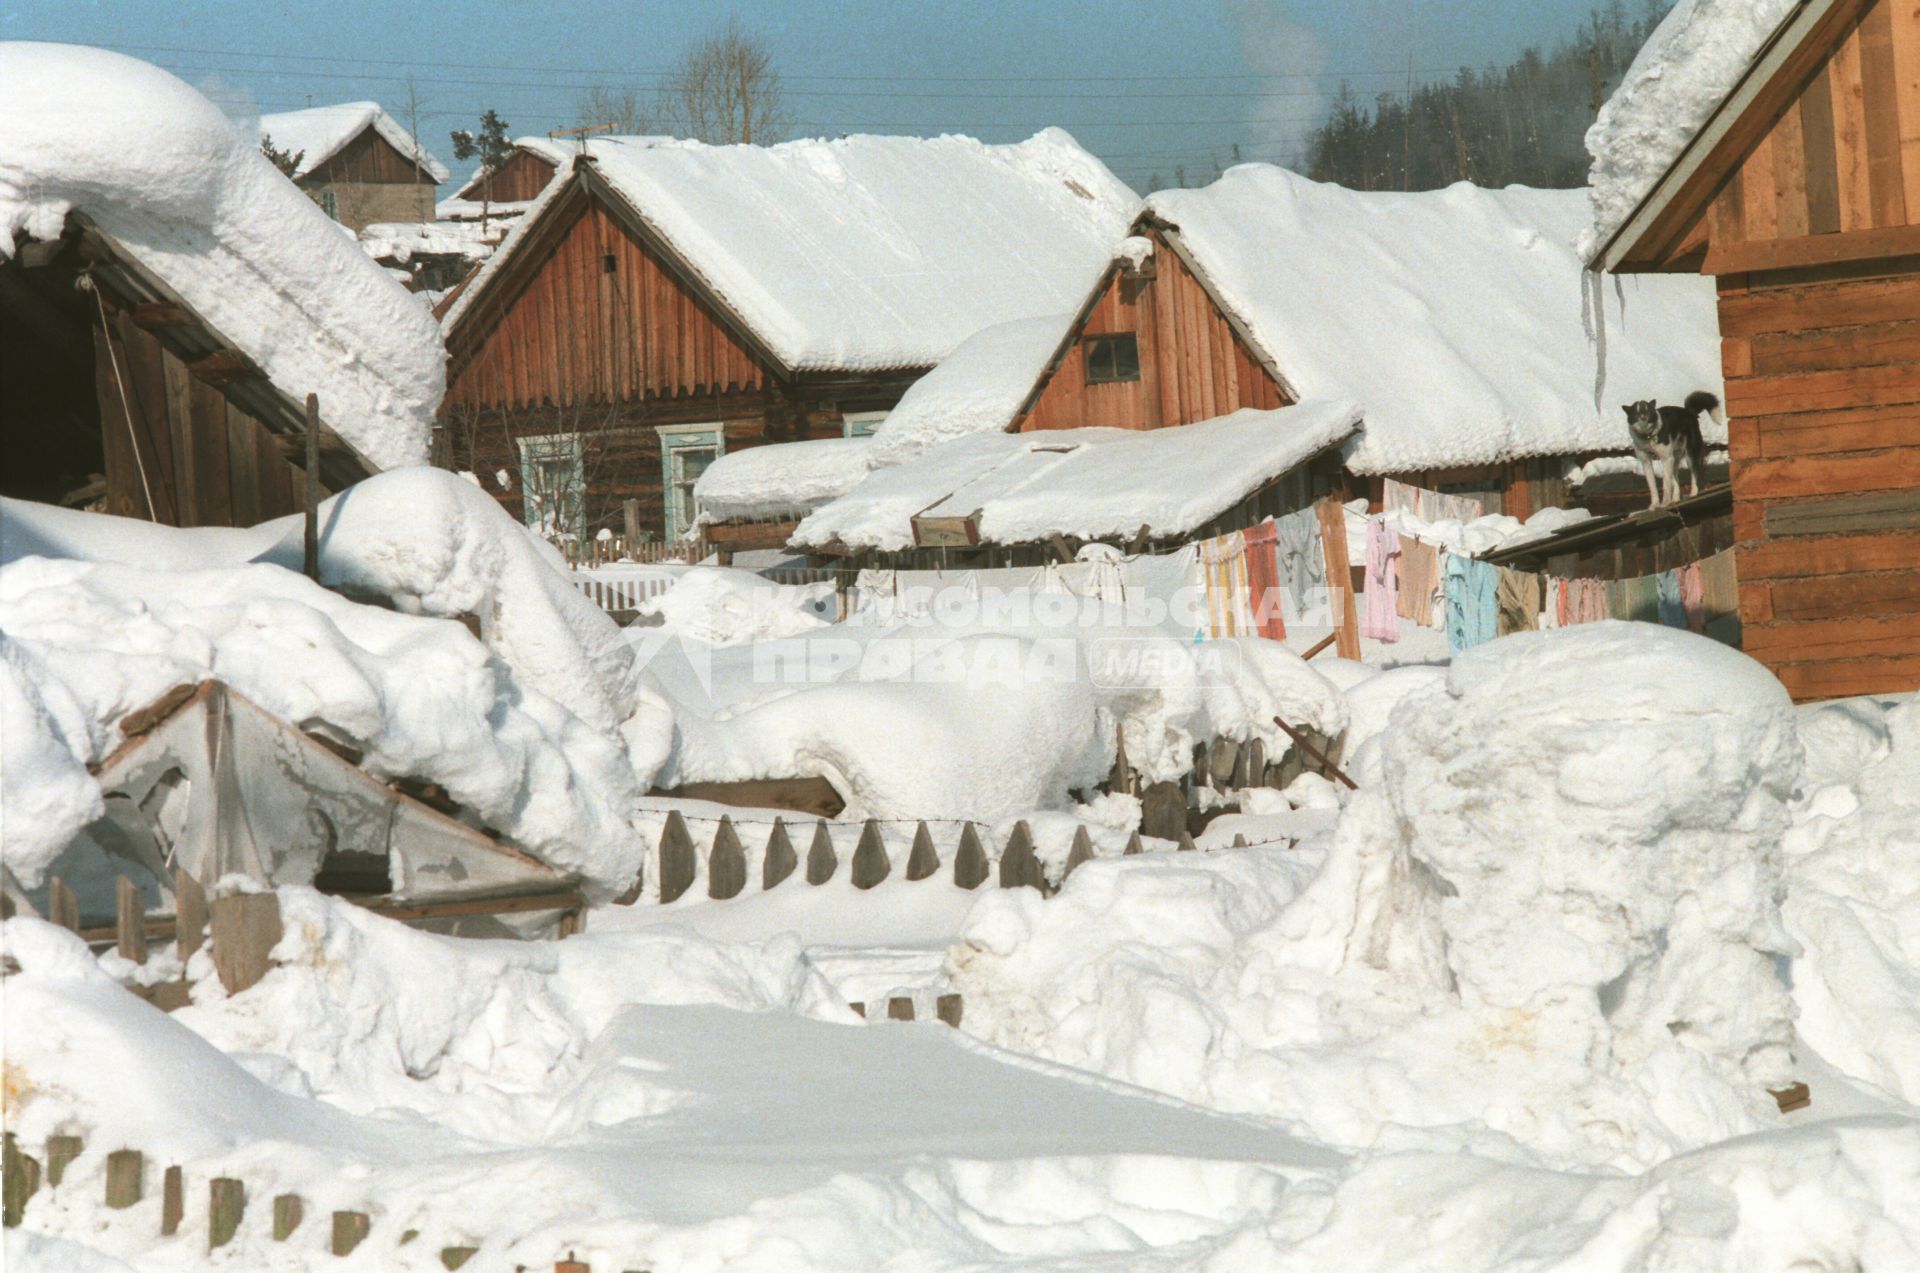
(861, 424)
(686, 451)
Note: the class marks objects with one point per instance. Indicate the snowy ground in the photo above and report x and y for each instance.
(1517, 1003)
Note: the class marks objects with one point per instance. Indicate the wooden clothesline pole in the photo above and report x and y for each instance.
(1301, 740)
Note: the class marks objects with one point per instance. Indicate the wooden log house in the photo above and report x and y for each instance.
(1475, 375)
(357, 163)
(1194, 322)
(1800, 194)
(665, 304)
(117, 395)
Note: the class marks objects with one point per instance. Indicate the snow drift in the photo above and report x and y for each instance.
(541, 730)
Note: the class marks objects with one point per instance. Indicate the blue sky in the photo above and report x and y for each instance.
(1148, 86)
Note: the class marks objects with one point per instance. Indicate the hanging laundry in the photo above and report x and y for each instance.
(1693, 598)
(1719, 586)
(1429, 506)
(1673, 613)
(1472, 602)
(1419, 580)
(1301, 560)
(1562, 603)
(1642, 599)
(1224, 558)
(1264, 593)
(1517, 602)
(1381, 619)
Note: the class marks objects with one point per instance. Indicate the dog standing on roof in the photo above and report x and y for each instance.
(1665, 438)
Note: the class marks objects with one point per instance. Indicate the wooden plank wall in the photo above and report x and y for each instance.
(522, 177)
(1193, 366)
(368, 157)
(205, 462)
(581, 332)
(1845, 155)
(1823, 387)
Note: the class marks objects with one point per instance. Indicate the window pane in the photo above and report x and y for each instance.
(1126, 358)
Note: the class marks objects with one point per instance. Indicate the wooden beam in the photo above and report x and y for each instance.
(746, 536)
(1813, 250)
(154, 315)
(224, 367)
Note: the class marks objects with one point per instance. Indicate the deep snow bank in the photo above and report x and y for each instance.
(541, 730)
(1546, 929)
(1853, 892)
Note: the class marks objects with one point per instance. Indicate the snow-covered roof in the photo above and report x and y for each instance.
(157, 167)
(399, 240)
(1685, 70)
(787, 479)
(978, 388)
(1087, 483)
(322, 131)
(1458, 318)
(870, 253)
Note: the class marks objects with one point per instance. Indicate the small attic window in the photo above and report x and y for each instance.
(1112, 359)
(609, 263)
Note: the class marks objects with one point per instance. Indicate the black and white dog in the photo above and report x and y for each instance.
(1670, 437)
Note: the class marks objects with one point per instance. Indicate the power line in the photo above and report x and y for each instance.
(887, 79)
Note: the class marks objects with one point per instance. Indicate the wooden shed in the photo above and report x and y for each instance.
(1800, 194)
(665, 304)
(357, 163)
(116, 395)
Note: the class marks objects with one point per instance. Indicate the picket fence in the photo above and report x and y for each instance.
(614, 590)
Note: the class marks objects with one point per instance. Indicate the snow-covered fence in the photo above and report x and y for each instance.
(617, 549)
(618, 591)
(967, 859)
(65, 1167)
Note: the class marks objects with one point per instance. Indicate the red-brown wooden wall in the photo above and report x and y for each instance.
(1193, 366)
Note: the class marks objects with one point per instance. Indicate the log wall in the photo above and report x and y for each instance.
(1193, 365)
(1823, 386)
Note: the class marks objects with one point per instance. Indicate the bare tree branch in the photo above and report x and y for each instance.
(723, 90)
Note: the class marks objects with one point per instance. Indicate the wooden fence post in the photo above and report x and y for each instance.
(969, 860)
(677, 867)
(726, 862)
(452, 1257)
(570, 1265)
(1163, 810)
(900, 1008)
(61, 1150)
(189, 914)
(310, 557)
(350, 1229)
(947, 1009)
(924, 860)
(870, 861)
(1133, 844)
(1186, 841)
(226, 1201)
(1081, 852)
(173, 1201)
(126, 1172)
(1019, 868)
(1221, 759)
(777, 863)
(245, 928)
(635, 889)
(63, 907)
(288, 1211)
(21, 1174)
(130, 921)
(822, 862)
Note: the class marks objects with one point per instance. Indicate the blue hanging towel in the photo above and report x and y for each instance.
(1473, 603)
(1673, 610)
